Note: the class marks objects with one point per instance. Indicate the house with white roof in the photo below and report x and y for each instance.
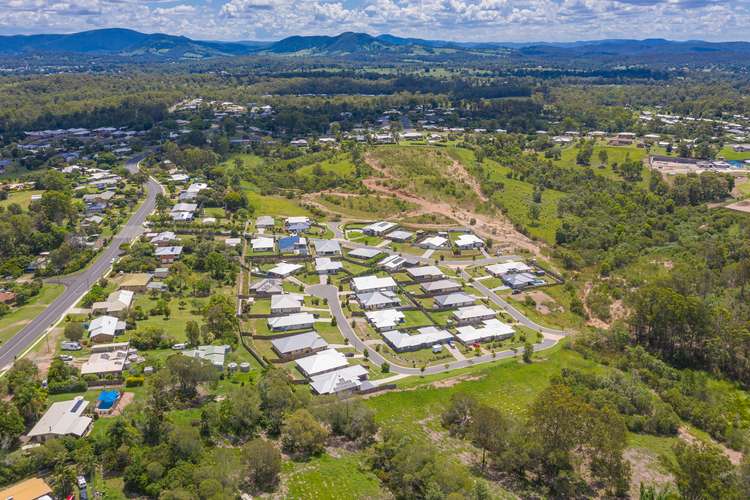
(385, 319)
(233, 242)
(392, 263)
(296, 321)
(117, 304)
(379, 228)
(164, 239)
(106, 363)
(469, 241)
(400, 235)
(426, 337)
(425, 273)
(365, 253)
(501, 268)
(321, 362)
(64, 418)
(473, 314)
(105, 328)
(344, 380)
(296, 346)
(372, 283)
(262, 244)
(264, 222)
(214, 354)
(434, 242)
(491, 329)
(284, 269)
(286, 303)
(324, 265)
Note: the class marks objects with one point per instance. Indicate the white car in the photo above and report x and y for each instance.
(81, 482)
(179, 347)
(65, 357)
(71, 346)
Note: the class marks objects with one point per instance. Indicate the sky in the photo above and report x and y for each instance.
(459, 20)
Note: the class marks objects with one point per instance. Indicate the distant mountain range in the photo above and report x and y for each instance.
(135, 45)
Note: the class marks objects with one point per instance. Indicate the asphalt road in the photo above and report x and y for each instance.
(81, 282)
(330, 293)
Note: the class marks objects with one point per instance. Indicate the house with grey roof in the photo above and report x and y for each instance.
(327, 248)
(266, 287)
(400, 235)
(426, 337)
(425, 273)
(264, 221)
(343, 380)
(473, 314)
(304, 344)
(295, 321)
(64, 418)
(456, 299)
(378, 299)
(519, 281)
(439, 287)
(325, 265)
(322, 362)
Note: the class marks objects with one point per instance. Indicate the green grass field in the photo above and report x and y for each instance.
(341, 165)
(730, 154)
(22, 198)
(615, 154)
(328, 477)
(13, 322)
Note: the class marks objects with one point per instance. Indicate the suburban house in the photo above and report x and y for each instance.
(286, 303)
(400, 235)
(379, 228)
(233, 242)
(264, 222)
(321, 362)
(347, 379)
(117, 304)
(262, 244)
(378, 299)
(137, 282)
(491, 329)
(324, 265)
(434, 242)
(296, 321)
(168, 255)
(439, 287)
(159, 272)
(105, 328)
(64, 418)
(497, 270)
(7, 297)
(30, 489)
(284, 269)
(468, 241)
(294, 244)
(327, 248)
(297, 224)
(392, 263)
(164, 239)
(183, 211)
(473, 314)
(385, 319)
(425, 273)
(365, 253)
(456, 299)
(106, 363)
(519, 281)
(427, 337)
(266, 287)
(214, 354)
(362, 284)
(304, 344)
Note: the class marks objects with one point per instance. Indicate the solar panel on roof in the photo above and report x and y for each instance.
(76, 406)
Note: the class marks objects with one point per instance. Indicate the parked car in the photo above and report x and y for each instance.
(179, 347)
(66, 357)
(71, 346)
(81, 482)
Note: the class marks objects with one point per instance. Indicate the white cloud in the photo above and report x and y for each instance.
(487, 20)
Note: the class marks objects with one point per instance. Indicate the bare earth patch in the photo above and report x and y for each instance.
(450, 382)
(734, 456)
(125, 399)
(43, 355)
(741, 206)
(644, 468)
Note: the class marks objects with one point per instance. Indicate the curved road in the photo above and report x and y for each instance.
(330, 293)
(81, 282)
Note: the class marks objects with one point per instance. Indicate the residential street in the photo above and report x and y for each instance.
(79, 283)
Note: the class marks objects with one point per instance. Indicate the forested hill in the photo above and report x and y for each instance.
(135, 46)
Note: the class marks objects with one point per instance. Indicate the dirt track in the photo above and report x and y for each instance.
(495, 226)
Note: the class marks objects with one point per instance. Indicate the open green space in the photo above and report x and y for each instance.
(14, 321)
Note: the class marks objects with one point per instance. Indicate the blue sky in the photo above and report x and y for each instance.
(463, 20)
